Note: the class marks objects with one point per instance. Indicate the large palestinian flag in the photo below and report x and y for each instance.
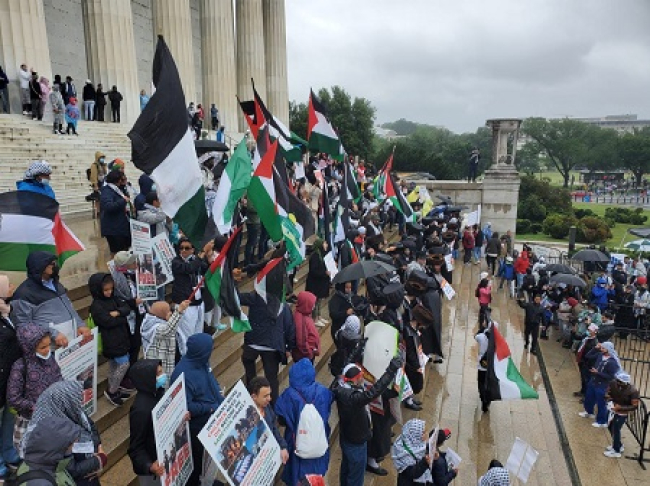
(31, 222)
(220, 283)
(398, 199)
(379, 184)
(263, 193)
(320, 133)
(342, 215)
(354, 194)
(269, 284)
(232, 185)
(503, 379)
(163, 148)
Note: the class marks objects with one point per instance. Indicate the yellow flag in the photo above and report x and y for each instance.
(414, 195)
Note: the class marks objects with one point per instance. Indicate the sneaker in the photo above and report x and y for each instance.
(612, 454)
(611, 448)
(319, 323)
(586, 415)
(114, 399)
(126, 386)
(599, 426)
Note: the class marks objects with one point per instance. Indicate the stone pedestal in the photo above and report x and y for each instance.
(111, 54)
(173, 19)
(23, 40)
(250, 52)
(219, 68)
(275, 52)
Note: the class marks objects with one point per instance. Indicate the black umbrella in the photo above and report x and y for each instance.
(590, 255)
(568, 280)
(363, 269)
(445, 199)
(640, 232)
(559, 268)
(204, 146)
(454, 209)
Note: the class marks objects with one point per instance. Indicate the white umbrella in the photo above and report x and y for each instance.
(638, 245)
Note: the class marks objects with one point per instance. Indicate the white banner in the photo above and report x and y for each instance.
(447, 289)
(78, 361)
(240, 442)
(172, 434)
(141, 245)
(163, 254)
(381, 347)
(140, 237)
(522, 459)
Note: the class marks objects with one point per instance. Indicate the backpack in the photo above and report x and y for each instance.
(29, 476)
(60, 478)
(311, 441)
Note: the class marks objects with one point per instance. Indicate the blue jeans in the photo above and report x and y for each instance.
(7, 452)
(615, 428)
(596, 397)
(477, 253)
(353, 463)
(252, 237)
(520, 280)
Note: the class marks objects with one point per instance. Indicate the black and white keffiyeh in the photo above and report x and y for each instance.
(38, 167)
(409, 448)
(496, 476)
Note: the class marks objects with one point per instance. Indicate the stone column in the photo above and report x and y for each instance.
(275, 52)
(23, 40)
(219, 68)
(110, 44)
(173, 19)
(250, 52)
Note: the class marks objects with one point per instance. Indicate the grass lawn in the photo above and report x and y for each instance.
(618, 232)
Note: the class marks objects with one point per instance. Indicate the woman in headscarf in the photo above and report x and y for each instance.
(58, 109)
(410, 456)
(340, 306)
(318, 278)
(497, 475)
(45, 92)
(64, 400)
(346, 340)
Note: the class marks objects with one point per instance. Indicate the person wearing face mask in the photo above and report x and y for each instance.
(98, 172)
(115, 212)
(30, 376)
(150, 380)
(604, 370)
(42, 300)
(9, 353)
(37, 179)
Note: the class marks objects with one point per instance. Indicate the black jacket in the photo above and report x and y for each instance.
(534, 312)
(440, 472)
(114, 220)
(142, 445)
(34, 89)
(352, 402)
(408, 476)
(115, 97)
(318, 282)
(186, 277)
(267, 329)
(89, 93)
(9, 352)
(4, 80)
(338, 307)
(114, 330)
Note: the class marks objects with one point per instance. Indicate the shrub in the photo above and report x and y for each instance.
(592, 230)
(533, 209)
(626, 215)
(554, 199)
(523, 226)
(581, 213)
(610, 222)
(557, 225)
(536, 228)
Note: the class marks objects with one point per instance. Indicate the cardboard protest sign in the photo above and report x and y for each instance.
(78, 361)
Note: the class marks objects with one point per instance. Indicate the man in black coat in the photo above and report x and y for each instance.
(534, 316)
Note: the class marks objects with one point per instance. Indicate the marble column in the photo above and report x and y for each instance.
(219, 67)
(173, 19)
(275, 53)
(110, 44)
(250, 52)
(23, 40)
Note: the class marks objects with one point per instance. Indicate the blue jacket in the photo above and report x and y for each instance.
(303, 388)
(607, 369)
(600, 296)
(202, 389)
(267, 329)
(32, 185)
(114, 219)
(507, 271)
(146, 183)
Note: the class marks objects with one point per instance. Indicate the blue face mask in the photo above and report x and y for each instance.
(161, 381)
(46, 357)
(45, 182)
(153, 188)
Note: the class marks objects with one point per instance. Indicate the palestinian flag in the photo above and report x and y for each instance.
(320, 133)
(379, 184)
(342, 217)
(220, 283)
(394, 193)
(263, 193)
(233, 184)
(325, 214)
(354, 194)
(503, 379)
(31, 222)
(163, 148)
(269, 284)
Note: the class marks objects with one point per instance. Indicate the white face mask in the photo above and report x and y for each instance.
(45, 182)
(46, 357)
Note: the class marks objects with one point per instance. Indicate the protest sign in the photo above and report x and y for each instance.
(452, 457)
(449, 261)
(240, 442)
(163, 254)
(143, 250)
(447, 289)
(172, 434)
(78, 361)
(330, 264)
(140, 237)
(522, 459)
(381, 347)
(433, 440)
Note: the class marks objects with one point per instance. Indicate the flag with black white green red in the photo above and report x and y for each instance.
(263, 194)
(32, 222)
(354, 194)
(221, 284)
(398, 199)
(269, 284)
(320, 132)
(504, 382)
(379, 184)
(233, 183)
(163, 148)
(342, 216)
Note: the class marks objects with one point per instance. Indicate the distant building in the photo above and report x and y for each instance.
(385, 133)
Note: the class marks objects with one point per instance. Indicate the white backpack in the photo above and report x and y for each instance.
(311, 441)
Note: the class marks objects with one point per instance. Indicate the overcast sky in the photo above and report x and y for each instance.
(457, 63)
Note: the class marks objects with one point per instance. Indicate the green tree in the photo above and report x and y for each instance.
(298, 115)
(528, 160)
(634, 152)
(402, 126)
(565, 142)
(553, 200)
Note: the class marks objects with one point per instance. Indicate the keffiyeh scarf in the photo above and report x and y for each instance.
(409, 449)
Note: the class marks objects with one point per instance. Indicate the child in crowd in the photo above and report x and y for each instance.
(159, 333)
(72, 116)
(484, 295)
(507, 274)
(30, 376)
(110, 314)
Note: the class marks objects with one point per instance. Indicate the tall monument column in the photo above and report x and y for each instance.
(110, 44)
(250, 52)
(275, 52)
(219, 68)
(23, 40)
(173, 19)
